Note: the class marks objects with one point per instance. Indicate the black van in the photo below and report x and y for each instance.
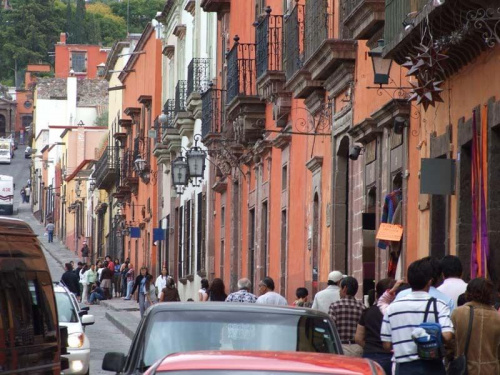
(29, 333)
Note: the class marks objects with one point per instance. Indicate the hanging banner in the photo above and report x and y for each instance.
(135, 232)
(390, 232)
(158, 234)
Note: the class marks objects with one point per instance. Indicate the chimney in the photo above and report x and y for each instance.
(62, 38)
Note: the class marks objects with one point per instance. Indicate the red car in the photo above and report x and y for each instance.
(262, 363)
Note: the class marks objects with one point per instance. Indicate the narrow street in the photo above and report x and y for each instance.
(103, 335)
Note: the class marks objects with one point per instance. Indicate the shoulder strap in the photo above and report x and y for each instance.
(427, 309)
(469, 330)
(436, 315)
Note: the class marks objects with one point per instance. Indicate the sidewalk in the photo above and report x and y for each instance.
(123, 314)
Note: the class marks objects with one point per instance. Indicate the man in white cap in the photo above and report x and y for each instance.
(330, 294)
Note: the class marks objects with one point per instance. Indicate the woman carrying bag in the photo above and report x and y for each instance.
(476, 322)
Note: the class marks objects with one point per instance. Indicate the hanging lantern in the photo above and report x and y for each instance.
(140, 164)
(180, 171)
(196, 158)
(381, 66)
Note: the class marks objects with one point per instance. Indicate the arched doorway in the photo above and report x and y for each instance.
(3, 125)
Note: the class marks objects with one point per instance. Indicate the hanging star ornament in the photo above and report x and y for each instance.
(427, 94)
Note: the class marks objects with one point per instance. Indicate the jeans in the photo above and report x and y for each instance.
(383, 359)
(95, 296)
(130, 286)
(420, 367)
(51, 236)
(142, 303)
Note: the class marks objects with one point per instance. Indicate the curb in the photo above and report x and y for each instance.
(119, 309)
(124, 323)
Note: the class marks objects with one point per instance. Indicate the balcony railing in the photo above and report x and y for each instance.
(107, 167)
(198, 76)
(319, 25)
(169, 110)
(180, 96)
(126, 168)
(396, 11)
(294, 41)
(269, 37)
(241, 70)
(211, 112)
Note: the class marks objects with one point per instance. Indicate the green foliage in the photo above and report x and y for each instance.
(140, 12)
(102, 119)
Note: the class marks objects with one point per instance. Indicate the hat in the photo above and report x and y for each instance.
(336, 276)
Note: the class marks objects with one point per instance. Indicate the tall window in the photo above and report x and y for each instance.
(283, 253)
(187, 239)
(264, 247)
(200, 233)
(79, 62)
(180, 247)
(251, 246)
(284, 177)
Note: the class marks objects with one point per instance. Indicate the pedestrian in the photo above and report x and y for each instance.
(106, 278)
(85, 252)
(170, 292)
(267, 294)
(123, 277)
(50, 231)
(96, 294)
(81, 275)
(217, 291)
(243, 294)
(453, 285)
(150, 292)
(99, 267)
(433, 291)
(483, 355)
(323, 300)
(143, 290)
(301, 301)
(346, 313)
(407, 313)
(90, 277)
(203, 292)
(23, 195)
(71, 280)
(368, 329)
(27, 190)
(111, 264)
(161, 280)
(117, 279)
(130, 281)
(138, 283)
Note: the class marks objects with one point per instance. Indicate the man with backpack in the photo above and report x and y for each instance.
(416, 317)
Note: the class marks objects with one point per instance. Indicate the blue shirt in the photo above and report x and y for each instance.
(143, 285)
(434, 293)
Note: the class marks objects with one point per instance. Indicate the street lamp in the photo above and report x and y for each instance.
(196, 158)
(180, 172)
(163, 118)
(78, 191)
(381, 66)
(140, 164)
(92, 185)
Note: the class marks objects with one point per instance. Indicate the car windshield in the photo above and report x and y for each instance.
(65, 309)
(183, 331)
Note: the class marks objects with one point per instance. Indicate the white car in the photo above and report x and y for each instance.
(75, 318)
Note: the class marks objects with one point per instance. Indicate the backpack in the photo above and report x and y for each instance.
(430, 347)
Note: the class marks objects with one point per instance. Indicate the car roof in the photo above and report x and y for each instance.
(234, 307)
(267, 361)
(13, 226)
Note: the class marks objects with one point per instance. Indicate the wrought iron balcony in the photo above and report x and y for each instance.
(212, 114)
(169, 110)
(241, 70)
(159, 150)
(293, 58)
(215, 5)
(319, 25)
(198, 76)
(365, 18)
(180, 96)
(126, 181)
(107, 168)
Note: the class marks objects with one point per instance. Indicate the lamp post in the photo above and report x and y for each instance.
(180, 173)
(140, 165)
(381, 66)
(196, 159)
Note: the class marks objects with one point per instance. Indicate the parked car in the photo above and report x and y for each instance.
(168, 328)
(71, 315)
(31, 342)
(262, 363)
(27, 153)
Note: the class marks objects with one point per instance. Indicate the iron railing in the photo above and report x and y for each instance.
(169, 110)
(107, 167)
(159, 131)
(126, 168)
(180, 96)
(241, 70)
(319, 25)
(211, 107)
(293, 58)
(396, 12)
(198, 76)
(269, 37)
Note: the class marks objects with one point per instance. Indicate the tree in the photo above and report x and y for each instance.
(79, 36)
(101, 21)
(140, 12)
(69, 20)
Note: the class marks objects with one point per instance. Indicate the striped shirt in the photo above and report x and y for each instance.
(403, 316)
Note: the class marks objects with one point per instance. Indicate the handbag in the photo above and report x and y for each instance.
(430, 346)
(459, 365)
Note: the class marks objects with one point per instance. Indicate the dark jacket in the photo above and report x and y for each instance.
(170, 295)
(72, 282)
(137, 284)
(85, 250)
(106, 274)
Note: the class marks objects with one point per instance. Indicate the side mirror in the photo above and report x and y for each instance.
(84, 308)
(113, 361)
(82, 312)
(88, 320)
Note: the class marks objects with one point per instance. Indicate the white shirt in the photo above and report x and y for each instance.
(434, 292)
(403, 316)
(161, 282)
(453, 287)
(272, 298)
(323, 299)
